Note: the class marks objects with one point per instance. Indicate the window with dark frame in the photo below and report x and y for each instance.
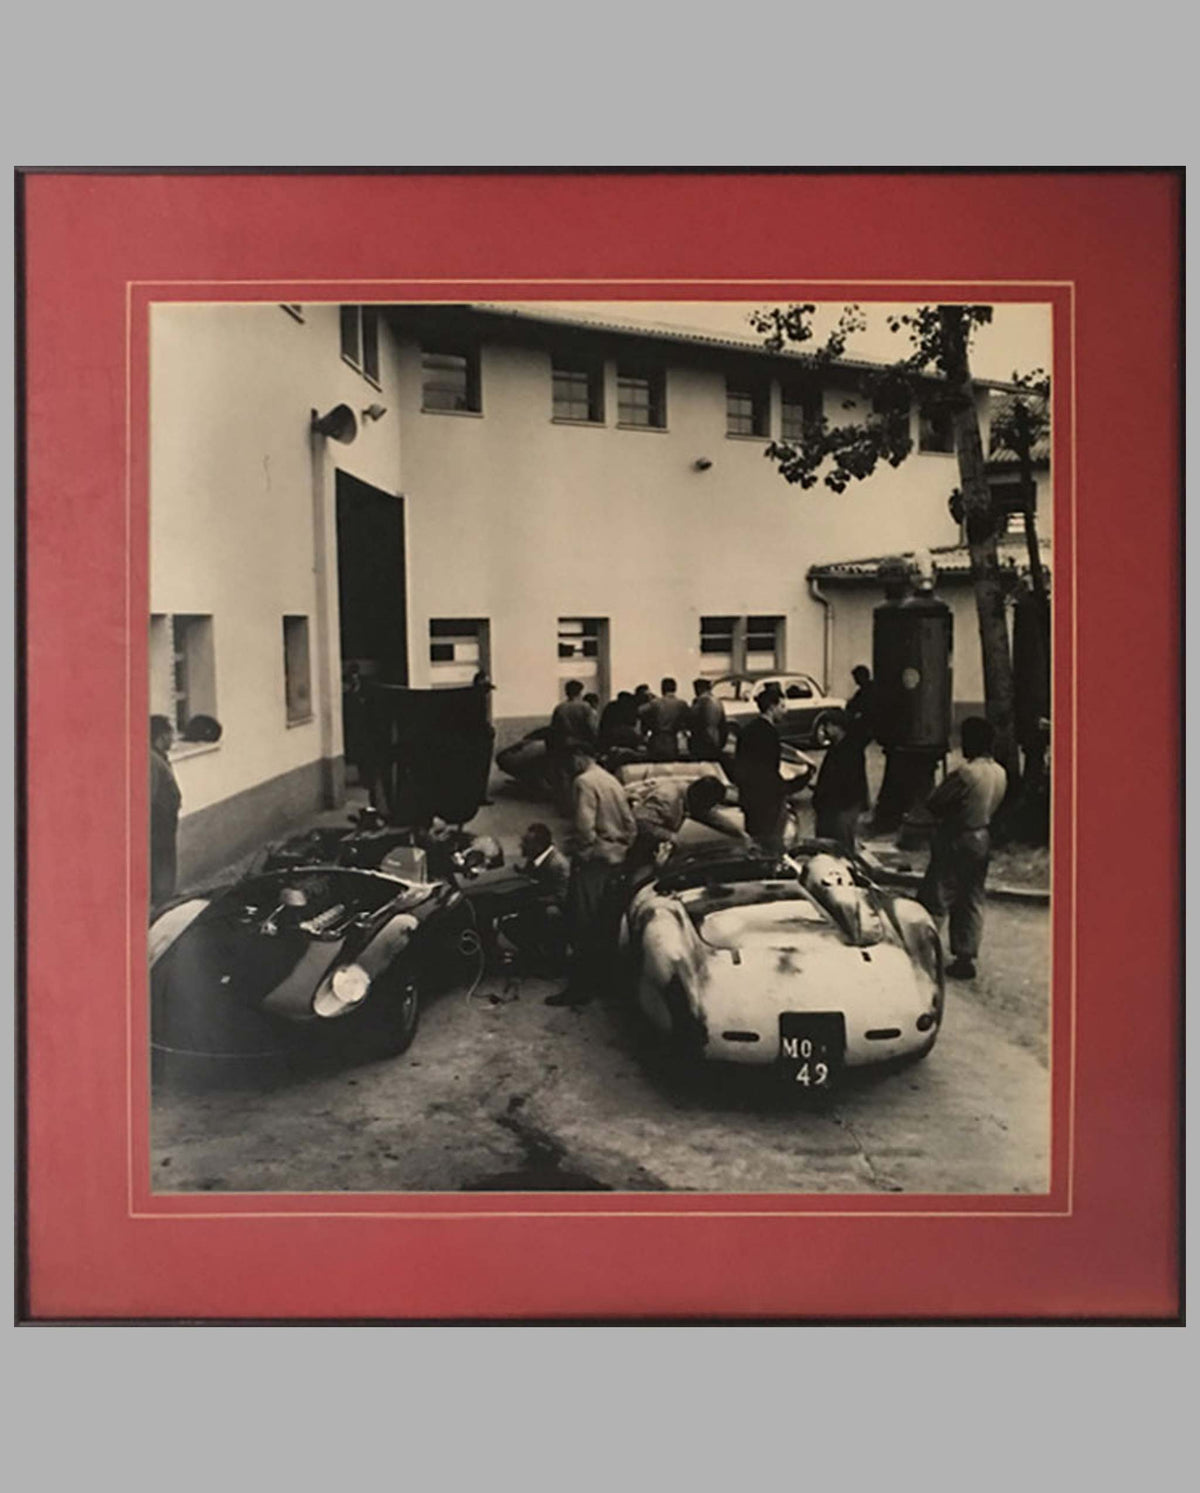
(578, 637)
(802, 408)
(763, 637)
(457, 650)
(578, 391)
(747, 407)
(349, 323)
(936, 426)
(716, 634)
(161, 665)
(193, 682)
(582, 648)
(370, 343)
(641, 398)
(359, 332)
(450, 379)
(297, 672)
(741, 645)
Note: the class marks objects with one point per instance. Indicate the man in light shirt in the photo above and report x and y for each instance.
(963, 804)
(661, 806)
(604, 832)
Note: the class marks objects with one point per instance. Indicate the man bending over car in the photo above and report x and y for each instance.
(661, 806)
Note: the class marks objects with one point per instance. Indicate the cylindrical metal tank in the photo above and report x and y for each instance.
(913, 657)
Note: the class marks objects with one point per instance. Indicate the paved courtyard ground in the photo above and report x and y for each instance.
(500, 1091)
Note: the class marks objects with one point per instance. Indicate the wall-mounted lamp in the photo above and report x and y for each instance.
(702, 463)
(339, 424)
(374, 412)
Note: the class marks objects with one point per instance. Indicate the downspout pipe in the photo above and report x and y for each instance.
(328, 678)
(817, 594)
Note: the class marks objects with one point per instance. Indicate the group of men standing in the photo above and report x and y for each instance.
(664, 726)
(840, 793)
(610, 836)
(618, 835)
(614, 838)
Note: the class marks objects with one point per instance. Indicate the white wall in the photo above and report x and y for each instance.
(232, 508)
(509, 517)
(522, 520)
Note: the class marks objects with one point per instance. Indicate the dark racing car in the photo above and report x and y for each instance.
(318, 956)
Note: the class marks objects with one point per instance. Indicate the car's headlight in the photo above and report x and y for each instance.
(347, 988)
(168, 926)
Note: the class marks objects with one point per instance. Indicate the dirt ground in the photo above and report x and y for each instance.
(501, 1092)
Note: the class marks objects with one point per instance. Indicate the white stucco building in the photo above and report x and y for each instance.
(540, 495)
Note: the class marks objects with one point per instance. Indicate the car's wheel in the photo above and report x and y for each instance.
(821, 731)
(687, 1036)
(930, 954)
(397, 1014)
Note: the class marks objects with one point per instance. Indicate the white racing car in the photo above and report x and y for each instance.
(800, 964)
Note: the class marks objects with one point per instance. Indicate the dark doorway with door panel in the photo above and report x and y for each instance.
(372, 591)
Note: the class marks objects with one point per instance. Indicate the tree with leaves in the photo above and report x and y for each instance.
(1021, 422)
(936, 373)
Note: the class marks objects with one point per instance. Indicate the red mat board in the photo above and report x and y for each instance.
(1102, 248)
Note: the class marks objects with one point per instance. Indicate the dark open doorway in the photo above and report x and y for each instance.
(373, 603)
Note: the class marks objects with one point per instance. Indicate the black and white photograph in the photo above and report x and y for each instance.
(600, 746)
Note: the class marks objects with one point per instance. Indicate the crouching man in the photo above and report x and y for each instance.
(963, 804)
(538, 926)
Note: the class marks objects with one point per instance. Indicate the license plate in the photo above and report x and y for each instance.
(812, 1048)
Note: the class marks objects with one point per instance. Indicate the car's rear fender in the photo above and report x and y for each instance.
(876, 989)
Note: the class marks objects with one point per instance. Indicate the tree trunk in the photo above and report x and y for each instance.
(1031, 712)
(981, 537)
(1023, 443)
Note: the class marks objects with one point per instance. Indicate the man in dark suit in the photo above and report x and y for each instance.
(573, 723)
(165, 799)
(542, 861)
(763, 792)
(619, 723)
(662, 720)
(840, 792)
(706, 724)
(537, 923)
(861, 707)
